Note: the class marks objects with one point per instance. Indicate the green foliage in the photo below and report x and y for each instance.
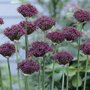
(75, 82)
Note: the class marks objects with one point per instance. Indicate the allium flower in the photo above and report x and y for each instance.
(31, 27)
(28, 66)
(7, 49)
(1, 21)
(85, 48)
(71, 33)
(63, 57)
(27, 10)
(82, 15)
(45, 22)
(15, 32)
(55, 37)
(39, 49)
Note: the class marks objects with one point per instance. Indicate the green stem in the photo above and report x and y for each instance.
(55, 3)
(43, 74)
(39, 79)
(26, 39)
(84, 88)
(9, 73)
(19, 83)
(1, 83)
(17, 58)
(67, 78)
(53, 76)
(63, 82)
(79, 26)
(78, 64)
(26, 82)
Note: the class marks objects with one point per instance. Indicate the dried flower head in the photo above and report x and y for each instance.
(63, 57)
(55, 37)
(82, 15)
(15, 32)
(39, 49)
(27, 10)
(28, 66)
(71, 33)
(1, 21)
(7, 49)
(45, 22)
(31, 27)
(85, 48)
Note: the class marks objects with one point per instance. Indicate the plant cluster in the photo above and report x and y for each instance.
(42, 49)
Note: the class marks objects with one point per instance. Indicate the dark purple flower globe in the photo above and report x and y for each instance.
(39, 49)
(45, 23)
(1, 21)
(63, 57)
(82, 15)
(27, 10)
(7, 49)
(31, 27)
(71, 33)
(28, 66)
(85, 48)
(15, 32)
(55, 37)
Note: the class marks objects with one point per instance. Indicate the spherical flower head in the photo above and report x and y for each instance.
(85, 48)
(45, 23)
(28, 66)
(7, 49)
(71, 33)
(63, 57)
(39, 49)
(55, 37)
(1, 21)
(15, 32)
(27, 10)
(31, 27)
(82, 15)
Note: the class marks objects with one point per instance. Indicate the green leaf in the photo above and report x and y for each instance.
(57, 67)
(57, 76)
(75, 81)
(71, 71)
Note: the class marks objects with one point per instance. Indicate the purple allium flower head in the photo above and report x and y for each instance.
(45, 23)
(15, 32)
(63, 57)
(27, 10)
(71, 33)
(31, 27)
(85, 48)
(82, 15)
(1, 21)
(7, 49)
(39, 49)
(28, 66)
(55, 37)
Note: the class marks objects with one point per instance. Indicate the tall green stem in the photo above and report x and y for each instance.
(78, 64)
(79, 26)
(54, 4)
(84, 88)
(53, 76)
(43, 74)
(17, 59)
(39, 79)
(63, 81)
(26, 82)
(26, 39)
(9, 73)
(1, 83)
(67, 78)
